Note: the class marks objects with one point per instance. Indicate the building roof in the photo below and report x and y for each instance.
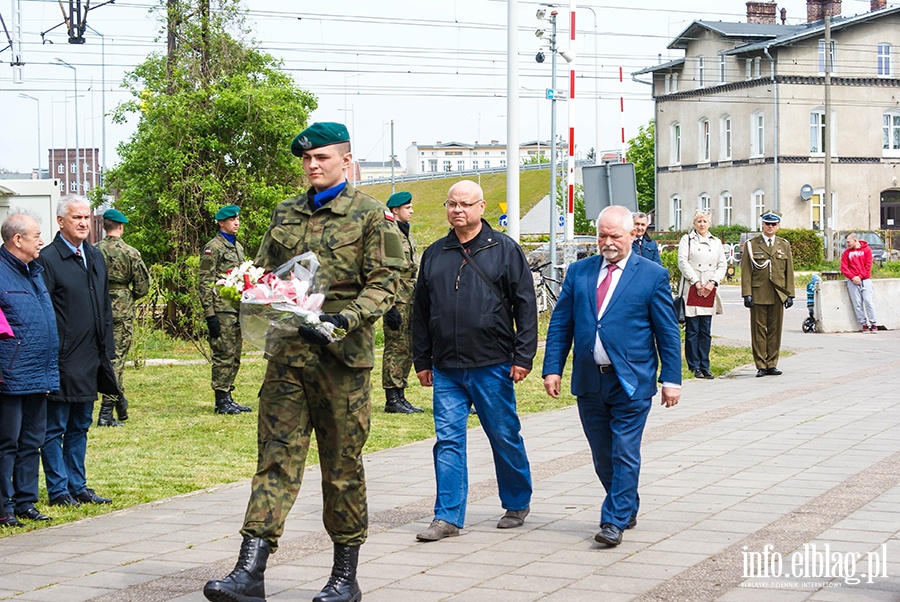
(374, 164)
(747, 31)
(661, 66)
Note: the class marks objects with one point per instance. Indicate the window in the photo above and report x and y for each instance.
(817, 210)
(703, 203)
(475, 164)
(502, 153)
(674, 83)
(62, 187)
(676, 143)
(502, 162)
(757, 134)
(676, 212)
(722, 69)
(73, 168)
(432, 165)
(748, 66)
(60, 168)
(446, 165)
(701, 63)
(704, 140)
(727, 207)
(726, 137)
(822, 57)
(487, 163)
(86, 167)
(890, 131)
(669, 83)
(453, 153)
(817, 131)
(759, 206)
(423, 166)
(86, 186)
(756, 63)
(460, 166)
(884, 60)
(73, 186)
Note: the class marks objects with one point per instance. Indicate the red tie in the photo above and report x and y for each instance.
(604, 286)
(78, 252)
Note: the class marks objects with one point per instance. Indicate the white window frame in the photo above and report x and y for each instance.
(73, 186)
(73, 168)
(758, 203)
(726, 206)
(432, 165)
(723, 69)
(475, 164)
(703, 140)
(726, 141)
(817, 202)
(890, 133)
(461, 165)
(884, 67)
(675, 151)
(60, 168)
(748, 68)
(701, 67)
(677, 211)
(447, 166)
(674, 83)
(704, 203)
(817, 130)
(668, 81)
(758, 134)
(821, 60)
(487, 163)
(756, 67)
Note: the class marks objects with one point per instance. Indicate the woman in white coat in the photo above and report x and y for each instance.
(701, 260)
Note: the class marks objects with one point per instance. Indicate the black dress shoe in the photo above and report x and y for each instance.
(65, 500)
(632, 522)
(707, 374)
(698, 373)
(773, 372)
(9, 521)
(609, 534)
(761, 372)
(89, 497)
(32, 514)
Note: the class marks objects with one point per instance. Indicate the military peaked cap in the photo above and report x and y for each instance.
(771, 217)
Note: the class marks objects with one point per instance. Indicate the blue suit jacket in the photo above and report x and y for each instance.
(638, 328)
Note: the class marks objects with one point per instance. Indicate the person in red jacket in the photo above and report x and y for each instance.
(856, 266)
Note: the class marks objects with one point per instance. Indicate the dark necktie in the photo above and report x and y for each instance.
(603, 289)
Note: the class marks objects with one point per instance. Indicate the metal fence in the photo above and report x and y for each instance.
(437, 175)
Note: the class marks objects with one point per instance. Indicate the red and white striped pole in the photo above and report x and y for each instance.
(621, 118)
(570, 204)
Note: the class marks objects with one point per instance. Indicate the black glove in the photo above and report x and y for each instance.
(393, 319)
(314, 337)
(748, 301)
(214, 327)
(788, 302)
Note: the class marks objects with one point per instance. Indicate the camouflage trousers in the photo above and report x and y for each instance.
(397, 358)
(122, 333)
(327, 397)
(226, 352)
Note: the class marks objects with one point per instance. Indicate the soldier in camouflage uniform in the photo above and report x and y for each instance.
(311, 385)
(397, 359)
(129, 280)
(219, 255)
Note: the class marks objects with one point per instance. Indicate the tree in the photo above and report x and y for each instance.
(583, 225)
(640, 152)
(215, 121)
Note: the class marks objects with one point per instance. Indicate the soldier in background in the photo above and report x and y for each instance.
(129, 280)
(397, 359)
(311, 384)
(219, 255)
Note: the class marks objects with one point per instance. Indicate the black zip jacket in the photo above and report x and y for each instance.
(458, 319)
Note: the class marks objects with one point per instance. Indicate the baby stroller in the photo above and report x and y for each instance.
(809, 324)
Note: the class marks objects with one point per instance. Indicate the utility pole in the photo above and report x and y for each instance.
(171, 25)
(828, 203)
(392, 156)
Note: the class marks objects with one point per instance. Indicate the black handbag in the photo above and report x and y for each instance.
(679, 308)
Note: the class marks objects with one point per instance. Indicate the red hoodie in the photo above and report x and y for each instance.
(857, 262)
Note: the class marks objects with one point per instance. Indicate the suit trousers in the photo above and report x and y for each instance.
(697, 341)
(614, 425)
(23, 422)
(65, 447)
(765, 333)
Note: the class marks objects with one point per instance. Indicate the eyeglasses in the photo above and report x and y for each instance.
(453, 205)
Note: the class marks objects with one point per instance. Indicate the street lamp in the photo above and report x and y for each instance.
(103, 94)
(21, 95)
(77, 159)
(596, 89)
(551, 94)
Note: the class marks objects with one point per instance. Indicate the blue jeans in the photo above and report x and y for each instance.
(697, 340)
(65, 447)
(614, 424)
(23, 421)
(490, 390)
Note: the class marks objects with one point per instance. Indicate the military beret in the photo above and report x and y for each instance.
(114, 215)
(771, 217)
(398, 199)
(319, 134)
(226, 212)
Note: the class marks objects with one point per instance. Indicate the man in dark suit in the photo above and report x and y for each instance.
(617, 308)
(76, 278)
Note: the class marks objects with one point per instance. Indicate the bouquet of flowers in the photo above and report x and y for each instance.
(277, 303)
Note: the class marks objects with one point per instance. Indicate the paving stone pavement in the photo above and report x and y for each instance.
(776, 489)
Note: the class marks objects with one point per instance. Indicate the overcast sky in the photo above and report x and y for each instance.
(436, 68)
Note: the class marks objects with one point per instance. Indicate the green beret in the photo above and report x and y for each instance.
(318, 135)
(114, 215)
(226, 212)
(399, 199)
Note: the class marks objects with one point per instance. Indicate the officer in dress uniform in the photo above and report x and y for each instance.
(219, 255)
(129, 280)
(767, 285)
(397, 359)
(312, 384)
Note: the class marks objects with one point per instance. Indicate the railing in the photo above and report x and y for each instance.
(436, 175)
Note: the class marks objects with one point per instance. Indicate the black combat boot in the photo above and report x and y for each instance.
(106, 412)
(342, 585)
(238, 406)
(246, 583)
(394, 403)
(412, 409)
(224, 405)
(122, 407)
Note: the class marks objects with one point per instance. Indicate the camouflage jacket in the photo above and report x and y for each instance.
(359, 251)
(406, 284)
(128, 276)
(217, 257)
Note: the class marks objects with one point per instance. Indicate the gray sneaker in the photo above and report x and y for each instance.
(513, 519)
(438, 530)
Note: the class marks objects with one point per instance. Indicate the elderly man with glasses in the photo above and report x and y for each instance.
(474, 337)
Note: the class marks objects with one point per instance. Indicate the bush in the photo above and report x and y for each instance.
(806, 247)
(728, 234)
(670, 262)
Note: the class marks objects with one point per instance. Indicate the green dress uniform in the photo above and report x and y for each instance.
(217, 257)
(767, 274)
(129, 280)
(324, 388)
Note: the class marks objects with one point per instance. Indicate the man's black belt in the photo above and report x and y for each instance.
(605, 369)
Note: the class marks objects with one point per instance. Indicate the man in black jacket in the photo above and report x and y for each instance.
(76, 278)
(474, 337)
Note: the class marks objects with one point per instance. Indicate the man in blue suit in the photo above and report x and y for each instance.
(617, 307)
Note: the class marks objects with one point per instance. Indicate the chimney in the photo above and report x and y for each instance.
(816, 10)
(761, 12)
(879, 4)
(784, 15)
